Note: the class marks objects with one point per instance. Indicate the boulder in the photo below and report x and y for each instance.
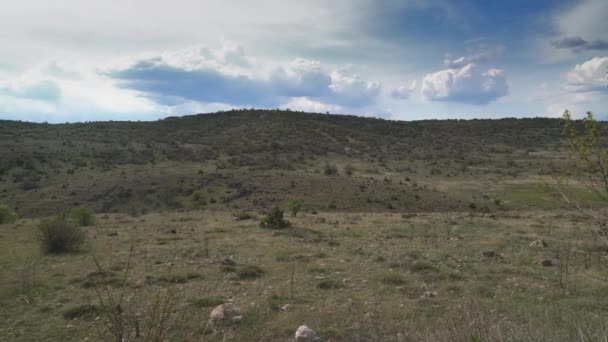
(305, 334)
(223, 314)
(539, 244)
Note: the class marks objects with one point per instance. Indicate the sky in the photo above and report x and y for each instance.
(82, 60)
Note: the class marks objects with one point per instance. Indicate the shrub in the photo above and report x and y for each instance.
(7, 215)
(349, 170)
(294, 206)
(87, 311)
(60, 235)
(330, 170)
(393, 279)
(250, 272)
(83, 216)
(274, 220)
(329, 284)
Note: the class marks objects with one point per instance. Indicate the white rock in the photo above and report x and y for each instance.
(221, 313)
(305, 334)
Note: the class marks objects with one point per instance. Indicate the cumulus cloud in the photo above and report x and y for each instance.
(202, 74)
(467, 85)
(403, 92)
(589, 76)
(578, 43)
(349, 88)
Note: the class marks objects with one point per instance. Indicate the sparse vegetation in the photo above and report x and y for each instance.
(60, 235)
(7, 215)
(393, 249)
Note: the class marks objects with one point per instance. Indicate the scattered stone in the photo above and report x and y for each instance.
(223, 314)
(539, 244)
(286, 307)
(305, 334)
(237, 319)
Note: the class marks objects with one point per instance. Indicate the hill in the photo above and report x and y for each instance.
(251, 159)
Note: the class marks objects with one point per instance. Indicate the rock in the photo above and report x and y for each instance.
(539, 244)
(237, 319)
(286, 307)
(429, 294)
(305, 334)
(223, 314)
(547, 263)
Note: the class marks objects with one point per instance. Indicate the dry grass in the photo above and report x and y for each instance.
(402, 278)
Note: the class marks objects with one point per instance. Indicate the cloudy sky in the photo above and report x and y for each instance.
(81, 60)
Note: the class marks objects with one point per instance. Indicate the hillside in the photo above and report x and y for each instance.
(254, 158)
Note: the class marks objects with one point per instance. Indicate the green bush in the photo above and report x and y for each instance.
(60, 235)
(274, 220)
(294, 206)
(7, 215)
(83, 216)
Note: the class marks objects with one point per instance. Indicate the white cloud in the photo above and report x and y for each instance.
(308, 105)
(403, 92)
(467, 84)
(589, 76)
(351, 88)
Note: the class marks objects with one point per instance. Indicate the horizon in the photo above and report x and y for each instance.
(403, 60)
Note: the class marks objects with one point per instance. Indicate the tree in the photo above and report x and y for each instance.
(294, 206)
(274, 220)
(588, 144)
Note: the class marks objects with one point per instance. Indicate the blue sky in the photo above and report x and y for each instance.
(80, 60)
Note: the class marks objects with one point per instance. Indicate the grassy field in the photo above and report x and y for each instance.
(409, 231)
(356, 277)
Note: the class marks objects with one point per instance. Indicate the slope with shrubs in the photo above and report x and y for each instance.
(255, 158)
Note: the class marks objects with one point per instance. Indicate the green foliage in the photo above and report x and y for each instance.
(274, 220)
(294, 206)
(83, 216)
(60, 235)
(589, 149)
(7, 215)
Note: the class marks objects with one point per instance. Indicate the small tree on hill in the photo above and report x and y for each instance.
(589, 151)
(294, 206)
(274, 220)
